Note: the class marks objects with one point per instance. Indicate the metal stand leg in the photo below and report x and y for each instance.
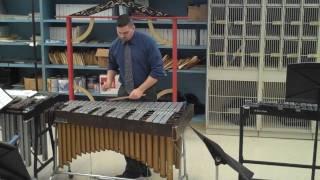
(217, 172)
(54, 152)
(35, 145)
(183, 160)
(314, 159)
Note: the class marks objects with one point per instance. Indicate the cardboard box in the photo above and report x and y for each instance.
(30, 83)
(198, 12)
(102, 57)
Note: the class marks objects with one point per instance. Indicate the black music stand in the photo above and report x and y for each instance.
(11, 163)
(220, 157)
(303, 86)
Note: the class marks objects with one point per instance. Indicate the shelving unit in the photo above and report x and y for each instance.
(46, 9)
(17, 54)
(249, 63)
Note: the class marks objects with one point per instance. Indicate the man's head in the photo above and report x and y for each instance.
(125, 27)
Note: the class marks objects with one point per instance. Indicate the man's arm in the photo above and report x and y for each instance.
(110, 77)
(112, 70)
(138, 92)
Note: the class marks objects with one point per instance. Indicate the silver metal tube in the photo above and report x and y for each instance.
(12, 129)
(20, 133)
(44, 142)
(27, 141)
(7, 127)
(2, 126)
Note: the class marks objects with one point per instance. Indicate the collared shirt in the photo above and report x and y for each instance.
(145, 55)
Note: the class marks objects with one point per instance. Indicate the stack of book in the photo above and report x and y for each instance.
(83, 57)
(184, 63)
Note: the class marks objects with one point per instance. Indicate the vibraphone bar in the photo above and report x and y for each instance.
(27, 117)
(149, 132)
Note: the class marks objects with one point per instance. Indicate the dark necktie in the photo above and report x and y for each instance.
(128, 74)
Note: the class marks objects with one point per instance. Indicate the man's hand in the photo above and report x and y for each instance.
(136, 94)
(106, 86)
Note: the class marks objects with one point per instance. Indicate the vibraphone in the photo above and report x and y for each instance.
(303, 111)
(150, 132)
(27, 117)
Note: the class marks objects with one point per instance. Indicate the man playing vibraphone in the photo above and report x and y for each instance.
(137, 58)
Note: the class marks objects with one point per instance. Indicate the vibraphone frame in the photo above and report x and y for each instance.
(175, 131)
(280, 111)
(34, 117)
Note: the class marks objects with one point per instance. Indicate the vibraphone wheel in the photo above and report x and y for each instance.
(70, 175)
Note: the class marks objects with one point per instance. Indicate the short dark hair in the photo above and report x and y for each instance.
(124, 20)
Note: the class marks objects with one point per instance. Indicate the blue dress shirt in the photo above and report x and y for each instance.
(145, 55)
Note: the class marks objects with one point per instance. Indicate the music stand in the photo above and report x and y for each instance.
(11, 164)
(220, 157)
(303, 86)
(303, 83)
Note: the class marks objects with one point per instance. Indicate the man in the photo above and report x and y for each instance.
(137, 58)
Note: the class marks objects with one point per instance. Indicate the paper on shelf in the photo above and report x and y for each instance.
(5, 99)
(21, 93)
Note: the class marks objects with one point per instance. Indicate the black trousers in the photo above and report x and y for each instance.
(135, 166)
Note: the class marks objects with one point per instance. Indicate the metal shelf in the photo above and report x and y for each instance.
(107, 45)
(193, 70)
(8, 20)
(15, 43)
(18, 65)
(160, 21)
(63, 66)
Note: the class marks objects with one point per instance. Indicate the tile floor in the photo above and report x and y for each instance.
(200, 165)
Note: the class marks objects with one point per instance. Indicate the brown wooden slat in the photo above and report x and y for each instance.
(155, 153)
(106, 139)
(149, 150)
(116, 140)
(177, 153)
(111, 143)
(101, 133)
(137, 147)
(60, 144)
(68, 144)
(73, 140)
(78, 140)
(97, 139)
(121, 142)
(92, 146)
(83, 139)
(163, 159)
(169, 158)
(87, 136)
(143, 148)
(126, 143)
(131, 144)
